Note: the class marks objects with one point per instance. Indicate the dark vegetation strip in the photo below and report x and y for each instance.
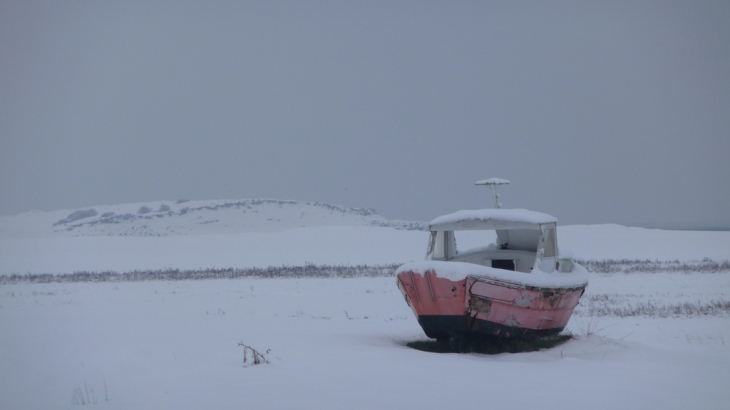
(612, 305)
(706, 265)
(291, 272)
(606, 266)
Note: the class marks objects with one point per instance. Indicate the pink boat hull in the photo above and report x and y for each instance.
(486, 306)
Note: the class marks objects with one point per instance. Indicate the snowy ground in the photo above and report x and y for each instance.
(648, 340)
(340, 343)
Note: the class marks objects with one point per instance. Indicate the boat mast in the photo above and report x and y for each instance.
(494, 183)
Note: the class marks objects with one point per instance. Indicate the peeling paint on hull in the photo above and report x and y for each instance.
(486, 306)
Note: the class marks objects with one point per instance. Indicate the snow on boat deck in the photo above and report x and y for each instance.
(456, 271)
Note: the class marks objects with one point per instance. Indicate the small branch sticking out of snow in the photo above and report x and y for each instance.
(256, 356)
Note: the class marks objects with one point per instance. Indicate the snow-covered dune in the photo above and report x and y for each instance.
(172, 218)
(203, 234)
(260, 233)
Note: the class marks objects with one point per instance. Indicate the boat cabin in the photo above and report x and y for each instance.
(526, 240)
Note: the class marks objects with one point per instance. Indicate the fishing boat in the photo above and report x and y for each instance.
(519, 286)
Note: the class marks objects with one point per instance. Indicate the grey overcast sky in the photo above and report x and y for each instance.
(615, 111)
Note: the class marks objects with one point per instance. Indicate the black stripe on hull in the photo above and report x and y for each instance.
(443, 327)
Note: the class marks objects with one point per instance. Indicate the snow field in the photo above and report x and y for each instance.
(340, 343)
(330, 245)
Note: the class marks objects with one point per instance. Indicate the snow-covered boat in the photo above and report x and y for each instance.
(520, 286)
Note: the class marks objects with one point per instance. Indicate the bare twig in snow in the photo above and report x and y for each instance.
(256, 356)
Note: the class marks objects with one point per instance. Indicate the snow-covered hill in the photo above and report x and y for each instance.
(266, 232)
(166, 218)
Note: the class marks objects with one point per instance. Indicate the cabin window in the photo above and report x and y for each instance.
(520, 239)
(444, 245)
(550, 248)
(431, 240)
(469, 240)
(507, 264)
(438, 246)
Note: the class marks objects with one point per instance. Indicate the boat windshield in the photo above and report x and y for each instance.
(442, 245)
(551, 242)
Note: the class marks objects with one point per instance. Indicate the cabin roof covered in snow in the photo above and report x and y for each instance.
(491, 219)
